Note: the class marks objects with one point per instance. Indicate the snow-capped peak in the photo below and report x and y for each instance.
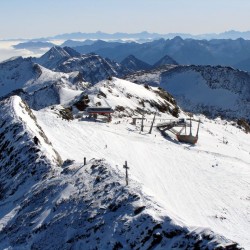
(56, 55)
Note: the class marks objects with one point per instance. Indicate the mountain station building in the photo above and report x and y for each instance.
(104, 111)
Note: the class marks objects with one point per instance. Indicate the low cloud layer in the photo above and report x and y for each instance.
(7, 51)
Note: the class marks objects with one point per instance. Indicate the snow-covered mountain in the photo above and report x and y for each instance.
(179, 196)
(39, 86)
(92, 67)
(212, 90)
(15, 73)
(55, 56)
(46, 204)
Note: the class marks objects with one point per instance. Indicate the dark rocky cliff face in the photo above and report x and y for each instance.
(21, 159)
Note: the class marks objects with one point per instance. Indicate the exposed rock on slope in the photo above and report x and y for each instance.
(39, 86)
(15, 72)
(89, 207)
(128, 98)
(150, 77)
(93, 67)
(23, 159)
(212, 90)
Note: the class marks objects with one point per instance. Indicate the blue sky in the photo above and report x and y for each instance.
(40, 18)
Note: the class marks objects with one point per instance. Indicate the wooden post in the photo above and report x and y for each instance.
(142, 119)
(84, 160)
(190, 126)
(150, 131)
(198, 129)
(126, 168)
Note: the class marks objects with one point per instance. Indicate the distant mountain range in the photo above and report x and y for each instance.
(184, 51)
(225, 52)
(93, 67)
(231, 34)
(33, 45)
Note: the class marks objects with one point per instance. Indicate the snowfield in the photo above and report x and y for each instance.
(206, 185)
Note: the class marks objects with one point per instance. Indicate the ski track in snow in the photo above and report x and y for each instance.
(206, 185)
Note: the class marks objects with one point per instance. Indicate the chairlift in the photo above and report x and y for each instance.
(181, 135)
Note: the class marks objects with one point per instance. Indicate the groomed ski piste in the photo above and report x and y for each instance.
(202, 188)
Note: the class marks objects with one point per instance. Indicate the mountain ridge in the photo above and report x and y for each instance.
(37, 85)
(211, 90)
(185, 51)
(225, 52)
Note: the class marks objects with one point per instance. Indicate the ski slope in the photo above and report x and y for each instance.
(206, 185)
(49, 204)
